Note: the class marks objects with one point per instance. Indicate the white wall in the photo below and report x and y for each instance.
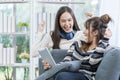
(111, 7)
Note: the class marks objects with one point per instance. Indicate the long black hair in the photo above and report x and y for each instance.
(55, 34)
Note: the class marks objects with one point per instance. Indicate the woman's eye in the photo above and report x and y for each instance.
(62, 20)
(69, 20)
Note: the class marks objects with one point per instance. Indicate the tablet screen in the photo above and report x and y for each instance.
(46, 55)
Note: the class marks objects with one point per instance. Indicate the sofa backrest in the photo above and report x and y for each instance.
(58, 54)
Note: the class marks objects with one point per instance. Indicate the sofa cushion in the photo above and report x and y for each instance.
(58, 54)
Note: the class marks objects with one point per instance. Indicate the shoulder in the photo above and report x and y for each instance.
(80, 36)
(79, 33)
(75, 44)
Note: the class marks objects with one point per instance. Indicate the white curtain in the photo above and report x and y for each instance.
(112, 7)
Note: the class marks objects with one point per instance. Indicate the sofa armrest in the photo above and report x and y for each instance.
(109, 68)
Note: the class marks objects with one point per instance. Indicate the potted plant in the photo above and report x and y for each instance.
(24, 57)
(23, 26)
(7, 73)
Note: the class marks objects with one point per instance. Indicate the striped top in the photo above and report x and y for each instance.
(90, 59)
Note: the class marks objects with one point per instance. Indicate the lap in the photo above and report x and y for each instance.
(70, 76)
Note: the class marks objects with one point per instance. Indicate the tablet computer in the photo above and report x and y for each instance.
(46, 55)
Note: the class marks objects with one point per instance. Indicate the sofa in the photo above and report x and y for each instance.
(109, 68)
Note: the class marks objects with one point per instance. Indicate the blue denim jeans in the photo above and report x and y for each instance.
(70, 76)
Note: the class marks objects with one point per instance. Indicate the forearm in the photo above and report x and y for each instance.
(41, 44)
(39, 36)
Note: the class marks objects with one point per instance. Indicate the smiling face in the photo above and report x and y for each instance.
(88, 35)
(91, 35)
(66, 22)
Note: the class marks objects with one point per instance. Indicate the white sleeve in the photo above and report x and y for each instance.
(79, 36)
(82, 36)
(39, 36)
(40, 44)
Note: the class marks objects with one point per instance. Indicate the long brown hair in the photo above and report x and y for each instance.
(55, 34)
(98, 23)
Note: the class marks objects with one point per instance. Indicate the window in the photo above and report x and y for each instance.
(15, 38)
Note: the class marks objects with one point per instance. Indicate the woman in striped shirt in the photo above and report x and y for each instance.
(91, 52)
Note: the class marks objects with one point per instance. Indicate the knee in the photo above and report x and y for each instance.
(61, 76)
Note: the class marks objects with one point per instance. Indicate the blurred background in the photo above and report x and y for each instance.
(19, 21)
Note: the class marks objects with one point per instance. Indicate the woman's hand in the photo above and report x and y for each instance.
(41, 26)
(46, 65)
(88, 14)
(108, 33)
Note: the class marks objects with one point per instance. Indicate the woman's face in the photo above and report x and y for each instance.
(66, 22)
(89, 34)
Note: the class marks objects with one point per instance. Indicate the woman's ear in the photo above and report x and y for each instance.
(95, 32)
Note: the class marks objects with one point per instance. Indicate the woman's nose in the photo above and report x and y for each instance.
(66, 23)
